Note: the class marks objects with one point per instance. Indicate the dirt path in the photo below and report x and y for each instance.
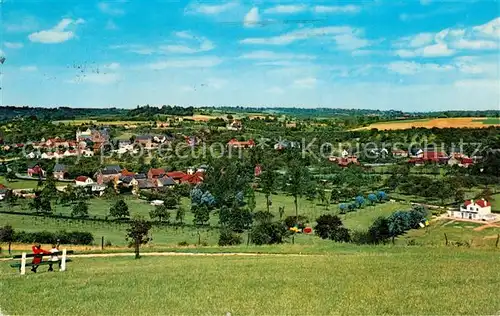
(480, 228)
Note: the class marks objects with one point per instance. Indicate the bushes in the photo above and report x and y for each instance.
(229, 238)
(290, 221)
(331, 227)
(45, 237)
(268, 233)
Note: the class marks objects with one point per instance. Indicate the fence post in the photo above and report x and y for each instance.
(446, 238)
(63, 261)
(23, 264)
(102, 243)
(498, 239)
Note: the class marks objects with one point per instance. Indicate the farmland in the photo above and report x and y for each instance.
(462, 122)
(355, 280)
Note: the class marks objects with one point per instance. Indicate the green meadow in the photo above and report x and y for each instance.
(399, 280)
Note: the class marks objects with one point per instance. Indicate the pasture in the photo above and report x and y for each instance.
(457, 122)
(357, 281)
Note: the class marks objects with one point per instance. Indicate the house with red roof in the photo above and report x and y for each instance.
(344, 161)
(474, 210)
(35, 170)
(234, 143)
(176, 175)
(429, 157)
(155, 173)
(193, 179)
(83, 181)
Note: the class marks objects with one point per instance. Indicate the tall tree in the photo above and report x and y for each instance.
(81, 209)
(298, 180)
(7, 235)
(138, 234)
(161, 213)
(268, 183)
(119, 209)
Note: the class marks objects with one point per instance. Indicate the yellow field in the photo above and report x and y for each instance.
(457, 122)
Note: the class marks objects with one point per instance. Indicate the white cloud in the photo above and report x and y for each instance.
(204, 45)
(57, 34)
(492, 28)
(202, 62)
(211, 9)
(475, 44)
(252, 18)
(109, 8)
(437, 50)
(265, 54)
(13, 45)
(449, 41)
(300, 34)
(337, 9)
(112, 66)
(364, 52)
(28, 68)
(286, 9)
(350, 41)
(307, 83)
(411, 68)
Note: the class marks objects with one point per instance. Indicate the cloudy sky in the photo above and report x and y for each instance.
(411, 55)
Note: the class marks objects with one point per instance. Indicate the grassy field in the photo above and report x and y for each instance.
(359, 282)
(456, 231)
(96, 122)
(456, 122)
(25, 184)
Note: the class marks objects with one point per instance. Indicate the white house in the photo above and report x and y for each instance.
(475, 210)
(83, 181)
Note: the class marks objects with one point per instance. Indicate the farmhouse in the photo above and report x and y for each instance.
(35, 170)
(344, 161)
(83, 181)
(235, 125)
(60, 171)
(109, 173)
(475, 210)
(155, 173)
(234, 143)
(165, 182)
(144, 140)
(398, 153)
(176, 175)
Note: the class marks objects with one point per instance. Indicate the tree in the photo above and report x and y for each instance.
(298, 179)
(251, 202)
(119, 209)
(268, 233)
(138, 234)
(379, 230)
(372, 198)
(201, 214)
(10, 198)
(161, 213)
(10, 175)
(360, 201)
(154, 163)
(234, 218)
(399, 222)
(382, 196)
(335, 196)
(263, 217)
(331, 227)
(268, 183)
(228, 237)
(7, 235)
(180, 214)
(49, 189)
(323, 196)
(110, 190)
(40, 204)
(68, 195)
(81, 209)
(343, 208)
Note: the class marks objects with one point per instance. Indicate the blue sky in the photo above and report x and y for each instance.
(414, 55)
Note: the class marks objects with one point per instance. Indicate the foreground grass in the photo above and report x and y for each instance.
(402, 281)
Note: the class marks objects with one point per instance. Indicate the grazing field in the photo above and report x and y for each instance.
(379, 280)
(25, 184)
(463, 232)
(458, 122)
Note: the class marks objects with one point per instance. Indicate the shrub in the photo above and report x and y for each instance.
(379, 231)
(45, 237)
(268, 233)
(183, 243)
(301, 221)
(360, 237)
(330, 227)
(229, 238)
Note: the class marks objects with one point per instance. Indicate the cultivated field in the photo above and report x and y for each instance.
(459, 122)
(355, 281)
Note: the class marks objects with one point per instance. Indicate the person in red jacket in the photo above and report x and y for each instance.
(39, 252)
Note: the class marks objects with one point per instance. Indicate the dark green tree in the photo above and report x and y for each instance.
(81, 209)
(161, 213)
(119, 209)
(7, 235)
(138, 234)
